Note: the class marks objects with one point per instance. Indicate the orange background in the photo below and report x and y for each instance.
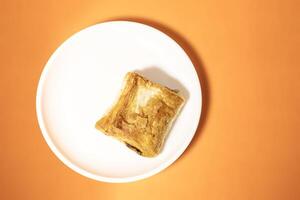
(247, 56)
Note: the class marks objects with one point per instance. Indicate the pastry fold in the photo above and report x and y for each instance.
(143, 115)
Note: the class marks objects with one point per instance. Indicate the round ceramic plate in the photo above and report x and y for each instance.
(82, 80)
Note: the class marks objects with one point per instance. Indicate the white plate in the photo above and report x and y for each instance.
(81, 81)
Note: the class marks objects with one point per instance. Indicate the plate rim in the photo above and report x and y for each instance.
(82, 171)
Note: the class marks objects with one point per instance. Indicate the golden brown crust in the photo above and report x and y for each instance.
(142, 115)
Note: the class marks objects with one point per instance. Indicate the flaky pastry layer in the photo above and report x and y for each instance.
(143, 115)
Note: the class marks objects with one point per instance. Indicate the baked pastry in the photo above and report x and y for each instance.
(143, 115)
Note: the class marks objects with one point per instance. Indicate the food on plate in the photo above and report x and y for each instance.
(143, 115)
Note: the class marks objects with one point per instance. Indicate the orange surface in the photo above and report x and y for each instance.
(247, 55)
